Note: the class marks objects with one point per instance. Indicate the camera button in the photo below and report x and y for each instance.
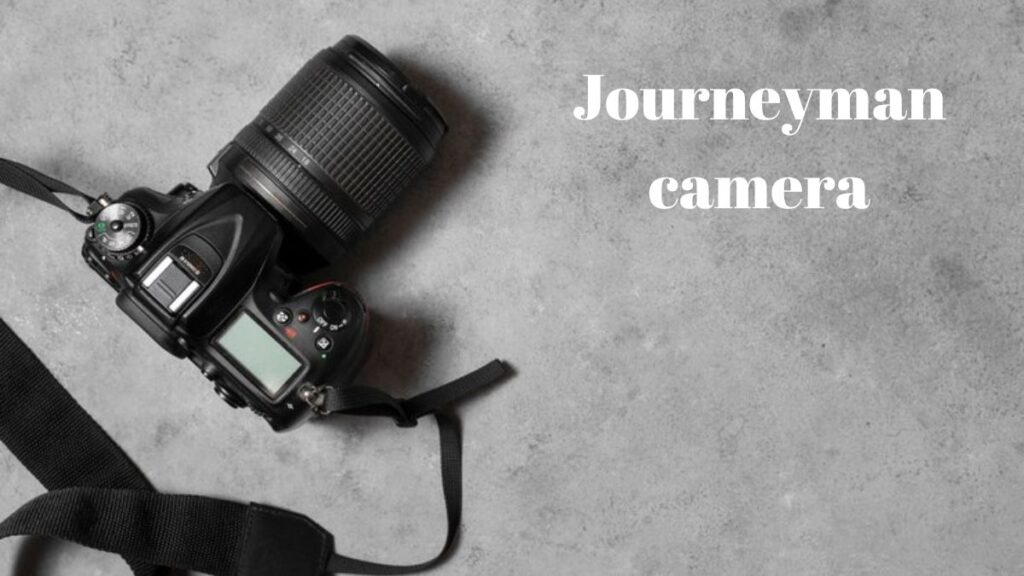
(210, 371)
(229, 396)
(324, 343)
(302, 317)
(283, 316)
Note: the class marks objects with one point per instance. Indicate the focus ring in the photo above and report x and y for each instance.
(335, 147)
(346, 135)
(299, 183)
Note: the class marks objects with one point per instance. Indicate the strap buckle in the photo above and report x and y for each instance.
(97, 206)
(314, 397)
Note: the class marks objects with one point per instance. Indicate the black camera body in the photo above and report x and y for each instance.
(214, 275)
(203, 279)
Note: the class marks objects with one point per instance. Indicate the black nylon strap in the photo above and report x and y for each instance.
(371, 401)
(187, 532)
(451, 479)
(99, 498)
(40, 186)
(52, 436)
(367, 401)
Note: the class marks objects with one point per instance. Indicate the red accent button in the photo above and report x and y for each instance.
(290, 332)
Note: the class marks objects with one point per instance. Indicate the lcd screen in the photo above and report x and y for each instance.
(259, 353)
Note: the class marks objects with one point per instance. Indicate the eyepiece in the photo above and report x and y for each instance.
(336, 146)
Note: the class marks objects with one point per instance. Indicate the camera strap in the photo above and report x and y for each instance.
(42, 187)
(98, 497)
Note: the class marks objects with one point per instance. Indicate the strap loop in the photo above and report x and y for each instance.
(42, 187)
(367, 401)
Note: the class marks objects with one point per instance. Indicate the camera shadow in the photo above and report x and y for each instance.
(400, 349)
(30, 557)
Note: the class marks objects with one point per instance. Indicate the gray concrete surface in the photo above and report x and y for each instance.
(775, 392)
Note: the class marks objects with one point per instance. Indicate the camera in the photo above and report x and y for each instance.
(214, 275)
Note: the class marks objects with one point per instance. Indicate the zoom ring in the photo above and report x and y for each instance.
(336, 146)
(298, 182)
(346, 135)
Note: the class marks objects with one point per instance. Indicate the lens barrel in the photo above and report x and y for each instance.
(336, 146)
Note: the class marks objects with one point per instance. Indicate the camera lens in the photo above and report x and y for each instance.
(336, 146)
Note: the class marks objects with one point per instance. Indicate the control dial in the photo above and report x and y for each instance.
(331, 311)
(119, 227)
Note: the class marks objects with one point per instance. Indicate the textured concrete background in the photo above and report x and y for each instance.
(698, 393)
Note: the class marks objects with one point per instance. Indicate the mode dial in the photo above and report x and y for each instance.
(119, 227)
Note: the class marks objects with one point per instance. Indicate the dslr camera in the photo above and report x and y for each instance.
(213, 275)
